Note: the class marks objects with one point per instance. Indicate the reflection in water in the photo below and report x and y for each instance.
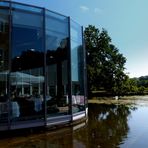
(61, 138)
(107, 127)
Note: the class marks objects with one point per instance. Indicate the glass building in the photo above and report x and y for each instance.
(42, 68)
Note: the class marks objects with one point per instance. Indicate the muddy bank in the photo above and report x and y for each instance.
(120, 100)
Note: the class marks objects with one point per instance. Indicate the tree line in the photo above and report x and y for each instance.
(106, 67)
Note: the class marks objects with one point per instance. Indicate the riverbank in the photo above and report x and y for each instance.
(121, 100)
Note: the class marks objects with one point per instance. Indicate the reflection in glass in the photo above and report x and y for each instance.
(57, 61)
(77, 69)
(4, 54)
(39, 71)
(27, 78)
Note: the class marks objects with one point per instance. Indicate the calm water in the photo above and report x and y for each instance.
(108, 126)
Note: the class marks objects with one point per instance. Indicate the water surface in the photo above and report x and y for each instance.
(108, 126)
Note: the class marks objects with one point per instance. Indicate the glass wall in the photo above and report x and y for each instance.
(4, 56)
(77, 68)
(27, 69)
(57, 64)
(36, 54)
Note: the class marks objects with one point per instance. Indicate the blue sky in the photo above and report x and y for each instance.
(125, 20)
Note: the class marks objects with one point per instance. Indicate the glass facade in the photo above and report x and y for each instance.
(27, 65)
(4, 64)
(77, 68)
(41, 67)
(56, 64)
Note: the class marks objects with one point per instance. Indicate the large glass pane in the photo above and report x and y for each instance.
(23, 7)
(27, 77)
(57, 60)
(76, 32)
(4, 4)
(77, 69)
(56, 23)
(4, 54)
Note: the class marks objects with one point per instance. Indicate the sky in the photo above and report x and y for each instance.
(125, 20)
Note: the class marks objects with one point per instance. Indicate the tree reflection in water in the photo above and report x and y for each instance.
(107, 126)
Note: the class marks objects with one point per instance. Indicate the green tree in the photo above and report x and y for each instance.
(105, 65)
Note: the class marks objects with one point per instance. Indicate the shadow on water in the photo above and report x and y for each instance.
(107, 126)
